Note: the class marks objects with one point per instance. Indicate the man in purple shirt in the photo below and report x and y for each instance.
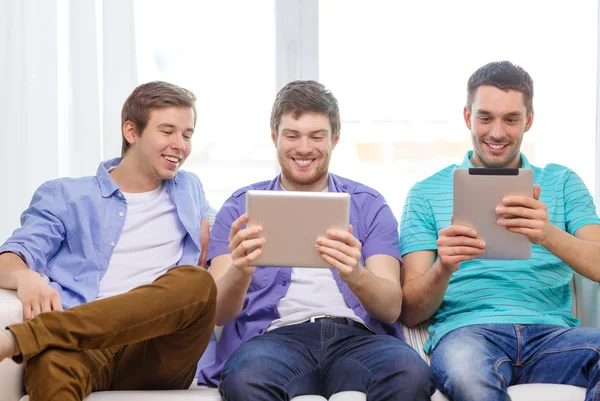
(295, 331)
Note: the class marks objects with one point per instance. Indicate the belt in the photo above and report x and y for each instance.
(338, 320)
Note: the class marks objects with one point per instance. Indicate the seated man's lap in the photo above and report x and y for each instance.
(324, 358)
(504, 354)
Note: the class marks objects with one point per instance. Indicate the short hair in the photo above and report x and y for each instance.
(299, 97)
(149, 96)
(503, 75)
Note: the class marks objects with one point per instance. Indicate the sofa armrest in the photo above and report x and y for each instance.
(587, 294)
(11, 374)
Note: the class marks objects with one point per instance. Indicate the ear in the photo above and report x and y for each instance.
(274, 138)
(529, 121)
(335, 140)
(467, 117)
(129, 132)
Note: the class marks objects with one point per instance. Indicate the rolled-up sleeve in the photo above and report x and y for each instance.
(42, 230)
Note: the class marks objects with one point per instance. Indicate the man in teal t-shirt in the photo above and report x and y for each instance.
(499, 323)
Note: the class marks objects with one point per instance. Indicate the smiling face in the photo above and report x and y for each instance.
(304, 147)
(498, 120)
(164, 145)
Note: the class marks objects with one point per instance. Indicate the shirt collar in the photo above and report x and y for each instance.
(466, 163)
(275, 184)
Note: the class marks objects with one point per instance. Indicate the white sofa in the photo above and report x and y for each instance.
(586, 306)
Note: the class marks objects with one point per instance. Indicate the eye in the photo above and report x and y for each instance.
(187, 137)
(318, 138)
(291, 136)
(512, 120)
(484, 119)
(167, 132)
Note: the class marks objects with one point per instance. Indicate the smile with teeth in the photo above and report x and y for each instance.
(496, 146)
(303, 162)
(172, 159)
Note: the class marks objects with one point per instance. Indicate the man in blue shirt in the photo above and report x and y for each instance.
(499, 323)
(118, 252)
(294, 331)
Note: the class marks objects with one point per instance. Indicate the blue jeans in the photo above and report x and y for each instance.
(479, 362)
(325, 358)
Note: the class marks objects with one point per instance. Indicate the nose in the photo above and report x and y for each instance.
(497, 131)
(304, 146)
(177, 142)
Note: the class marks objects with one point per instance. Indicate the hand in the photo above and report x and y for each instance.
(342, 251)
(35, 294)
(244, 245)
(525, 215)
(204, 239)
(457, 244)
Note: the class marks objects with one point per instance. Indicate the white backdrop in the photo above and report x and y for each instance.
(65, 69)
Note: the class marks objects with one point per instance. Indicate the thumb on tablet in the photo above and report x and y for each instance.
(536, 192)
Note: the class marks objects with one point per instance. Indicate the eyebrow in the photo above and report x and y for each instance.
(293, 131)
(511, 114)
(167, 125)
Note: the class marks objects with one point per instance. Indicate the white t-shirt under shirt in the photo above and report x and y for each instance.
(312, 292)
(150, 244)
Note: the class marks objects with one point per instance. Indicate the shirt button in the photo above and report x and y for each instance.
(121, 214)
(112, 243)
(260, 331)
(272, 309)
(284, 283)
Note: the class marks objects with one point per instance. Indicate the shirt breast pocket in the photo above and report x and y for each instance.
(260, 278)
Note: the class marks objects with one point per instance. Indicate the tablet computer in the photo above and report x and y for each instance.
(292, 221)
(477, 193)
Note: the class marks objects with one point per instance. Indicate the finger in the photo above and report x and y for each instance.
(246, 247)
(26, 311)
(456, 230)
(352, 251)
(460, 240)
(46, 305)
(516, 211)
(336, 254)
(37, 309)
(530, 233)
(56, 304)
(462, 250)
(537, 190)
(248, 259)
(243, 235)
(453, 260)
(345, 237)
(340, 267)
(237, 224)
(350, 228)
(516, 200)
(525, 223)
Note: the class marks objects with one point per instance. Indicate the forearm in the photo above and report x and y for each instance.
(231, 292)
(11, 267)
(423, 295)
(580, 255)
(381, 298)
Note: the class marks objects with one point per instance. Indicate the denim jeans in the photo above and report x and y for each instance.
(479, 362)
(325, 358)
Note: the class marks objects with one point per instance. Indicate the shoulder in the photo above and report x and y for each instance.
(262, 185)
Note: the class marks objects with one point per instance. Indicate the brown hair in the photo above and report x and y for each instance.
(299, 97)
(149, 96)
(503, 75)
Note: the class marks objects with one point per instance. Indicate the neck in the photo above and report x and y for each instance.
(131, 177)
(318, 186)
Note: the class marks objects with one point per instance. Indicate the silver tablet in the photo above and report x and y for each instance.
(477, 192)
(292, 221)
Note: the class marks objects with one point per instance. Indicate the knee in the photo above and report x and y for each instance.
(413, 372)
(242, 378)
(196, 281)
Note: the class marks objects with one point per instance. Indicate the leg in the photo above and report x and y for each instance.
(173, 302)
(561, 355)
(383, 367)
(63, 375)
(473, 363)
(278, 365)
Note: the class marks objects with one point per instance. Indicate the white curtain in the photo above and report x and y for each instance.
(66, 67)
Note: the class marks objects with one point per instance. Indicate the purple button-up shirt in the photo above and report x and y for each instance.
(374, 226)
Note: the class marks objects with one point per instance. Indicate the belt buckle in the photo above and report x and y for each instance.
(314, 318)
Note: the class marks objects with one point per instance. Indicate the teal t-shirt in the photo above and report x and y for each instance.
(534, 291)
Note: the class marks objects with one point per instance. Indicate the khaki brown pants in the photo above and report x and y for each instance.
(149, 338)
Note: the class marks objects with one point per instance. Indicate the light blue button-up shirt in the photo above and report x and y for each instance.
(72, 225)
